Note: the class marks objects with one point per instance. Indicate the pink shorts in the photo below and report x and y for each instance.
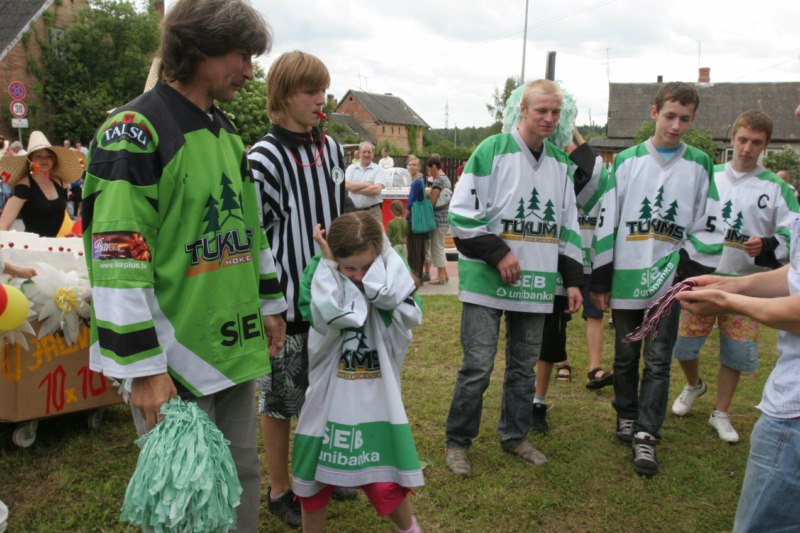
(384, 497)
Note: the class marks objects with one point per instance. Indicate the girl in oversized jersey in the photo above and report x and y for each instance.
(353, 430)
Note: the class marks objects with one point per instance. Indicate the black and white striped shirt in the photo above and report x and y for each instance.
(299, 188)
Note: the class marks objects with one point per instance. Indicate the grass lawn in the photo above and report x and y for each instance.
(73, 479)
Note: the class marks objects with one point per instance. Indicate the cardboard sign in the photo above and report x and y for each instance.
(50, 378)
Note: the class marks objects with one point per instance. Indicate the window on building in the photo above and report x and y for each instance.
(55, 36)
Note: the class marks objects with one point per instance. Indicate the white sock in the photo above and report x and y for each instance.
(538, 399)
(413, 529)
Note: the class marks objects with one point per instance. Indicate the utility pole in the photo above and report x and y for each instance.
(524, 44)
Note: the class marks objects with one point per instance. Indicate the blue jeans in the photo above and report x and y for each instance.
(646, 404)
(771, 487)
(480, 328)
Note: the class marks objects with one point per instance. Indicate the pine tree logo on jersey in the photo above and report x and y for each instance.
(733, 235)
(358, 361)
(532, 223)
(656, 222)
(220, 248)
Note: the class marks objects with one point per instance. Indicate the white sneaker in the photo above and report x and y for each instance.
(720, 421)
(683, 404)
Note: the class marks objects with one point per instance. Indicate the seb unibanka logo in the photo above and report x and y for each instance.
(656, 220)
(220, 248)
(534, 222)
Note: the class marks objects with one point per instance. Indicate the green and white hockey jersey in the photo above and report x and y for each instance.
(507, 200)
(758, 204)
(658, 218)
(353, 429)
(180, 268)
(588, 199)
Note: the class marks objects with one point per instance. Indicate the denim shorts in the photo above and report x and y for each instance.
(282, 393)
(589, 310)
(738, 339)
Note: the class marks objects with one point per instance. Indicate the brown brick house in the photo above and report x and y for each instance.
(386, 118)
(18, 47)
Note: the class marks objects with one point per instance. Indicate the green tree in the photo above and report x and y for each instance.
(659, 198)
(737, 225)
(671, 212)
(499, 98)
(700, 139)
(726, 210)
(248, 110)
(212, 215)
(521, 210)
(786, 159)
(101, 62)
(549, 212)
(646, 212)
(533, 204)
(230, 201)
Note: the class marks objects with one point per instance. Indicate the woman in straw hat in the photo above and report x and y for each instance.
(39, 181)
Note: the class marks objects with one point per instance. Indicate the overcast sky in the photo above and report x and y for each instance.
(452, 54)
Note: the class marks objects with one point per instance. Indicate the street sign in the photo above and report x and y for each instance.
(18, 109)
(19, 122)
(16, 90)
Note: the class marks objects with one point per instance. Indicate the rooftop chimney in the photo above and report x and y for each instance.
(660, 79)
(705, 75)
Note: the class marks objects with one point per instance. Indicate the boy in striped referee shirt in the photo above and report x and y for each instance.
(300, 176)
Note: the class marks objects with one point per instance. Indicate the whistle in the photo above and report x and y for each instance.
(321, 115)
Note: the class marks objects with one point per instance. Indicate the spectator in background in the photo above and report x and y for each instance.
(39, 181)
(786, 176)
(386, 161)
(365, 182)
(441, 192)
(15, 148)
(416, 241)
(397, 229)
(81, 148)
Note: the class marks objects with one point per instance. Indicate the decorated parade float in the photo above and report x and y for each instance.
(44, 336)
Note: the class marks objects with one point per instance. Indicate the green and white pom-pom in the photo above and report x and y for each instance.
(562, 137)
(185, 479)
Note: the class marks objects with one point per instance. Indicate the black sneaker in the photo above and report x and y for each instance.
(540, 424)
(644, 454)
(625, 430)
(287, 508)
(344, 493)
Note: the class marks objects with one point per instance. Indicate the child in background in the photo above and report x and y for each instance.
(16, 271)
(353, 430)
(397, 229)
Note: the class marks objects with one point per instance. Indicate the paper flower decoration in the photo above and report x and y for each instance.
(185, 479)
(60, 299)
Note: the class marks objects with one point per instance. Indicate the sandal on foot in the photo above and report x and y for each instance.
(595, 382)
(563, 372)
(439, 281)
